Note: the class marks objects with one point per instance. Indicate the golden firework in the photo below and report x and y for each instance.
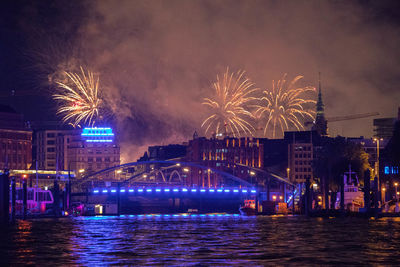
(229, 106)
(79, 101)
(283, 107)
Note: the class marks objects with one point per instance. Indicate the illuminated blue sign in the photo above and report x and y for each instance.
(391, 170)
(98, 135)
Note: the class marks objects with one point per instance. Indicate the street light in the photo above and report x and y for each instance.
(81, 170)
(397, 193)
(377, 159)
(383, 195)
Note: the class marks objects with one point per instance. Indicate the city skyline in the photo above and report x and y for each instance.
(200, 132)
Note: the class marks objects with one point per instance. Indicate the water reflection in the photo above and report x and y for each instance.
(202, 239)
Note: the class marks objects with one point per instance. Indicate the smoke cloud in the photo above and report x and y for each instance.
(157, 59)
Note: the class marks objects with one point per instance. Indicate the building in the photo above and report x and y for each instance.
(384, 127)
(301, 151)
(81, 151)
(244, 151)
(93, 150)
(390, 158)
(233, 155)
(15, 140)
(166, 152)
(289, 157)
(49, 154)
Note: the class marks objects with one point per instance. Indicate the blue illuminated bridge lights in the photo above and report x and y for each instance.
(98, 135)
(184, 190)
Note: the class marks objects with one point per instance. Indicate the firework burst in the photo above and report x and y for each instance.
(79, 101)
(229, 106)
(284, 108)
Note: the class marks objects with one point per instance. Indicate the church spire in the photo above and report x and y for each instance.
(320, 125)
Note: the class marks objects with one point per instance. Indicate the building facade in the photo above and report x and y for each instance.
(233, 155)
(384, 127)
(15, 140)
(301, 153)
(81, 151)
(95, 149)
(48, 149)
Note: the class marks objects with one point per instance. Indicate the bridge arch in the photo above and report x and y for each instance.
(171, 176)
(167, 162)
(162, 175)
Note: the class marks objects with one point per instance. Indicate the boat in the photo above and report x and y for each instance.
(353, 196)
(249, 207)
(37, 199)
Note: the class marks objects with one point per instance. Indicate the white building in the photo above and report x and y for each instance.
(82, 151)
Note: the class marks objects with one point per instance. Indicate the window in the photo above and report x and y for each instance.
(107, 159)
(50, 135)
(51, 142)
(51, 149)
(98, 159)
(90, 159)
(98, 166)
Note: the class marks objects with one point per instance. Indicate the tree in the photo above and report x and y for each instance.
(332, 159)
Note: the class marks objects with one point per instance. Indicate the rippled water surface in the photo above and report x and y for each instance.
(204, 240)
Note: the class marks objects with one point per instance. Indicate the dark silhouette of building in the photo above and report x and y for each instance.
(320, 125)
(166, 152)
(384, 127)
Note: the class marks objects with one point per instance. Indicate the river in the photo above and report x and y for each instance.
(205, 240)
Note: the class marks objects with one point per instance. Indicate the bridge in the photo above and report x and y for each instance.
(176, 186)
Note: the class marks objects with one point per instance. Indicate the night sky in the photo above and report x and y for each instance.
(157, 59)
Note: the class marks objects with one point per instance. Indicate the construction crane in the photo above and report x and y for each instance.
(345, 118)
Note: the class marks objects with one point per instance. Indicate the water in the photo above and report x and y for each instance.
(204, 240)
